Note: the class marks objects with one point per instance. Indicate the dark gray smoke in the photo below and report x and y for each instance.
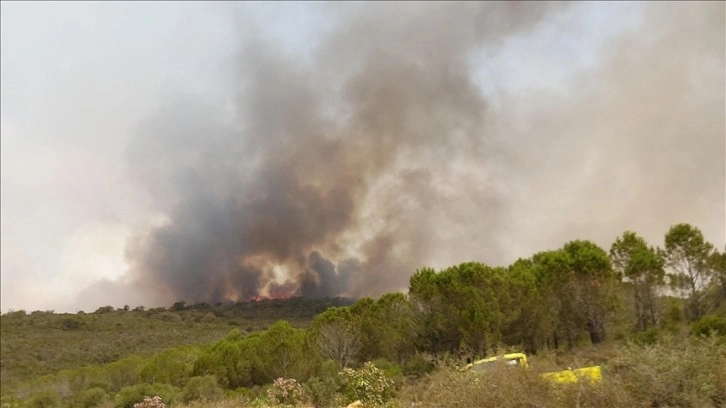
(340, 172)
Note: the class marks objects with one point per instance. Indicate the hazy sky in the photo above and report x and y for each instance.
(576, 121)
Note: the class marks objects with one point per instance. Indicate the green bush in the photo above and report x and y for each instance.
(243, 393)
(323, 391)
(286, 392)
(708, 324)
(91, 397)
(417, 365)
(649, 336)
(367, 384)
(674, 314)
(675, 373)
(71, 324)
(670, 373)
(172, 366)
(100, 384)
(44, 399)
(390, 369)
(202, 388)
(505, 386)
(128, 396)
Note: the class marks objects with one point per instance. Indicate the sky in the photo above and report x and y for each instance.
(156, 152)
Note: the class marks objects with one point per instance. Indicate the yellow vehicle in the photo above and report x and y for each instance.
(519, 359)
(592, 374)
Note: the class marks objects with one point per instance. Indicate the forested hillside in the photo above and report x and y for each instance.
(43, 342)
(628, 308)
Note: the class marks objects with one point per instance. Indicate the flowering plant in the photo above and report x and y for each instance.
(151, 402)
(285, 392)
(368, 384)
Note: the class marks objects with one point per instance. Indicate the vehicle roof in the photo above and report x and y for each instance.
(508, 356)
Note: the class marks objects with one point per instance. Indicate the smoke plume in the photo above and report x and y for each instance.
(341, 172)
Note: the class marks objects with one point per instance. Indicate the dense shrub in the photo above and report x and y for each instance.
(128, 396)
(44, 399)
(202, 388)
(687, 372)
(671, 373)
(367, 384)
(499, 387)
(708, 324)
(172, 366)
(91, 397)
(417, 365)
(151, 402)
(649, 336)
(323, 391)
(285, 392)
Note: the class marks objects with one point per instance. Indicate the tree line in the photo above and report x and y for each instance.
(553, 299)
(557, 299)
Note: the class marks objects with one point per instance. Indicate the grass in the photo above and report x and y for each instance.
(41, 343)
(674, 372)
(669, 370)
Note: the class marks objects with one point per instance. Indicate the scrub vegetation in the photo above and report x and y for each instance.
(653, 318)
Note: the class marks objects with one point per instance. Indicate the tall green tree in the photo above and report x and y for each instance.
(283, 351)
(555, 282)
(439, 318)
(172, 366)
(225, 361)
(460, 307)
(687, 255)
(578, 290)
(643, 267)
(337, 333)
(528, 322)
(388, 327)
(717, 263)
(398, 326)
(594, 284)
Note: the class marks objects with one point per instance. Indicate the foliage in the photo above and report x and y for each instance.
(128, 396)
(687, 254)
(224, 360)
(555, 295)
(202, 388)
(44, 399)
(151, 402)
(91, 397)
(590, 286)
(417, 365)
(710, 324)
(674, 373)
(648, 336)
(367, 384)
(562, 306)
(172, 366)
(39, 343)
(717, 266)
(337, 332)
(283, 352)
(643, 266)
(286, 392)
(500, 387)
(459, 307)
(671, 373)
(323, 391)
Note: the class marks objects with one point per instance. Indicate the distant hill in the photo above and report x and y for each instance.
(38, 343)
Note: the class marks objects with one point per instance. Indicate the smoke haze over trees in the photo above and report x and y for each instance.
(342, 172)
(163, 152)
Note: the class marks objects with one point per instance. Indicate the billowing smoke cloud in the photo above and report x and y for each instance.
(341, 172)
